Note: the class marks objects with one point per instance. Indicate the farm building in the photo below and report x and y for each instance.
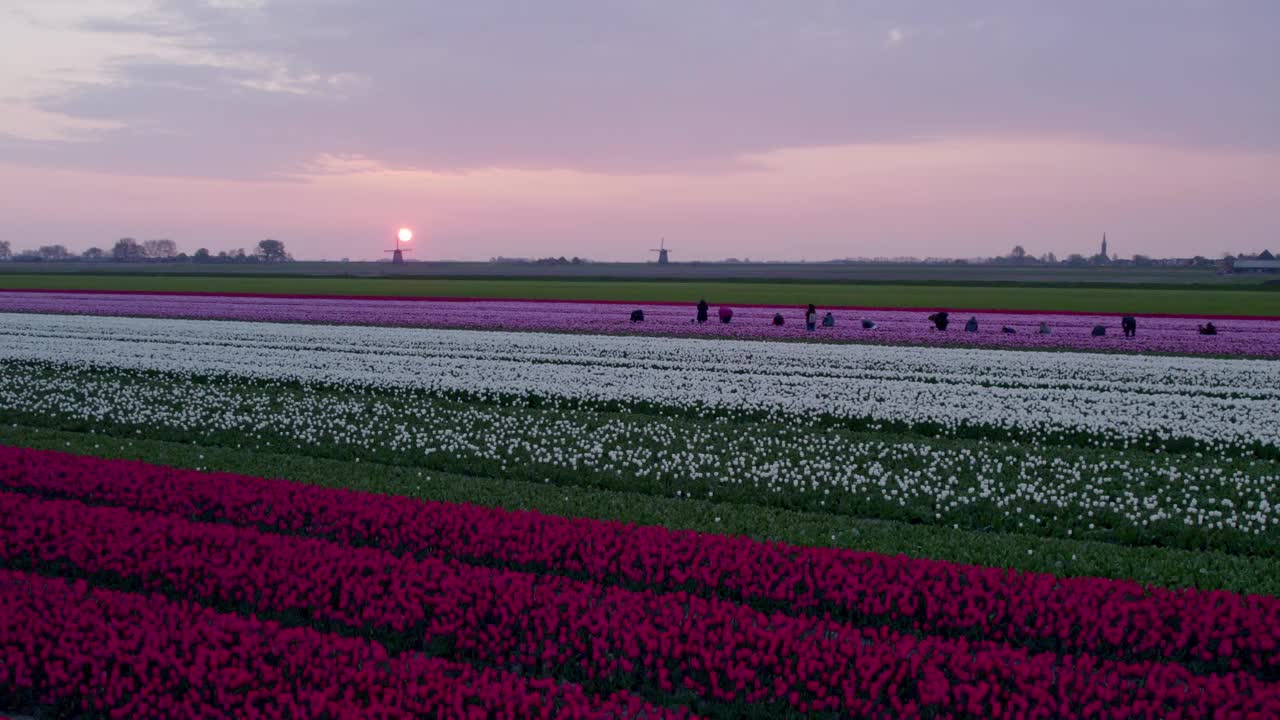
(1271, 266)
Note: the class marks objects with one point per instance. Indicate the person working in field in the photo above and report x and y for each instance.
(1044, 328)
(829, 320)
(972, 325)
(1208, 329)
(726, 314)
(702, 311)
(1129, 324)
(940, 320)
(637, 316)
(778, 320)
(811, 318)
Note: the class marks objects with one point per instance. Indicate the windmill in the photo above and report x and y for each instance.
(397, 257)
(662, 251)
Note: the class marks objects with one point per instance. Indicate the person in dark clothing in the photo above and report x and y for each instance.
(972, 325)
(637, 316)
(1007, 330)
(1099, 330)
(702, 311)
(777, 319)
(726, 314)
(828, 320)
(1208, 329)
(811, 319)
(939, 320)
(1129, 324)
(868, 325)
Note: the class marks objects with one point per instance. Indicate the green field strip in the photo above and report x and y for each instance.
(1209, 301)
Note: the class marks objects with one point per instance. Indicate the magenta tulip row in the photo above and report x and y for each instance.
(1239, 336)
(717, 650)
(1108, 617)
(112, 654)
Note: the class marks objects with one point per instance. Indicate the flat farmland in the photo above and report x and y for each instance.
(377, 508)
(915, 273)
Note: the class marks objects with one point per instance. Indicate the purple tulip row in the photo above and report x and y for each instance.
(716, 650)
(1248, 337)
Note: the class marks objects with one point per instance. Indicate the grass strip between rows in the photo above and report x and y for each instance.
(1157, 566)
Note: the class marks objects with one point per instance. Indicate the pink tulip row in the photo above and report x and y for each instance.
(111, 654)
(1070, 330)
(1109, 617)
(717, 650)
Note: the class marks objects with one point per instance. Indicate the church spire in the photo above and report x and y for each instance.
(1104, 247)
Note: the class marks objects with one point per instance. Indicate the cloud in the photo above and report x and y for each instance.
(265, 88)
(31, 124)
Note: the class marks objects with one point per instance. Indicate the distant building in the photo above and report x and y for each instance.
(1102, 257)
(1267, 266)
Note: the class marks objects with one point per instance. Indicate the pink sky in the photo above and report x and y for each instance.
(805, 131)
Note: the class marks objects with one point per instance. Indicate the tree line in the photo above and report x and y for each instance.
(1019, 256)
(148, 251)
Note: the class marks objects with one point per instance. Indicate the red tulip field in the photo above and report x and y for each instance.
(212, 518)
(292, 599)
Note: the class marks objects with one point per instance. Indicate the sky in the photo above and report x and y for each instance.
(806, 129)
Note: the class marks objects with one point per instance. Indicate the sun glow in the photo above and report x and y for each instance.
(405, 235)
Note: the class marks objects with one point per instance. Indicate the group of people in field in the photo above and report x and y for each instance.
(940, 320)
(1128, 326)
(725, 313)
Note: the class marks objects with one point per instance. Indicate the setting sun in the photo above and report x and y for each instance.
(405, 234)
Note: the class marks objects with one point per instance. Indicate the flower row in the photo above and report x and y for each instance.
(1116, 618)
(1154, 400)
(721, 652)
(1066, 330)
(1227, 503)
(90, 651)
